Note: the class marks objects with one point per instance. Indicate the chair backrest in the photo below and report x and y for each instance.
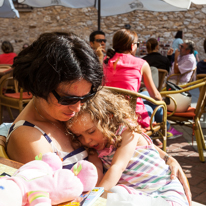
(132, 97)
(201, 103)
(155, 77)
(9, 65)
(179, 76)
(127, 93)
(162, 74)
(193, 76)
(3, 82)
(200, 76)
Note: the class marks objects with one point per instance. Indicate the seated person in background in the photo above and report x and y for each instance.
(184, 61)
(8, 56)
(123, 70)
(154, 58)
(98, 43)
(201, 65)
(176, 43)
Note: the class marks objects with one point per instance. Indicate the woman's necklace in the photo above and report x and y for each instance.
(49, 121)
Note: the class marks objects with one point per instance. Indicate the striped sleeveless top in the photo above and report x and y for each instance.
(148, 174)
(69, 159)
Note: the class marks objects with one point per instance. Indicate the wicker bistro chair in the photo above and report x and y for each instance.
(12, 100)
(179, 76)
(191, 117)
(162, 74)
(160, 128)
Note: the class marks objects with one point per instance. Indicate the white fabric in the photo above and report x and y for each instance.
(115, 199)
(184, 3)
(108, 7)
(10, 193)
(7, 9)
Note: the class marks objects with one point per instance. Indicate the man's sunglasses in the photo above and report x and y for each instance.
(70, 100)
(100, 40)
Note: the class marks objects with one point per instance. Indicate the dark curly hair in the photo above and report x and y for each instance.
(7, 47)
(54, 58)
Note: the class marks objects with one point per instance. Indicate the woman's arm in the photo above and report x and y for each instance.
(93, 158)
(25, 143)
(120, 160)
(148, 81)
(197, 57)
(176, 171)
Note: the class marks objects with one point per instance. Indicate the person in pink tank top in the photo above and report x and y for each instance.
(123, 70)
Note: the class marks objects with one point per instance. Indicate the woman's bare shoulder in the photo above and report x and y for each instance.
(25, 143)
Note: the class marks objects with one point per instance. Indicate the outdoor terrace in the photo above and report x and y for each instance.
(185, 151)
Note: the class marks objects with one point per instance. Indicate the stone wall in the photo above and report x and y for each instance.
(83, 21)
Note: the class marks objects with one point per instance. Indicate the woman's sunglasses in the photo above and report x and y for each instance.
(136, 43)
(70, 100)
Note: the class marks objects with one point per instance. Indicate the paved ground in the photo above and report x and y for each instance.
(182, 149)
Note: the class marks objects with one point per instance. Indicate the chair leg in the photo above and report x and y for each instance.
(199, 141)
(201, 135)
(164, 137)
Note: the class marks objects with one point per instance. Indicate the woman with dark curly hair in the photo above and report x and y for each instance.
(8, 56)
(62, 72)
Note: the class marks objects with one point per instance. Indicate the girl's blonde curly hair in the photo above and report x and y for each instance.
(109, 111)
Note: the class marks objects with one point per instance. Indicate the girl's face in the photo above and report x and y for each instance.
(87, 133)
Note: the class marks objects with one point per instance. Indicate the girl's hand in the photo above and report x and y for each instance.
(176, 171)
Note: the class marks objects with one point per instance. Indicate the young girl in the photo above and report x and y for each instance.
(108, 125)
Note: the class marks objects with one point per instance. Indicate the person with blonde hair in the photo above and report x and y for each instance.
(108, 125)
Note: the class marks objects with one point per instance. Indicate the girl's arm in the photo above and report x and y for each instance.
(93, 158)
(120, 160)
(176, 171)
(148, 81)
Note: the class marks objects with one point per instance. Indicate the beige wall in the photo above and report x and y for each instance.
(83, 21)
